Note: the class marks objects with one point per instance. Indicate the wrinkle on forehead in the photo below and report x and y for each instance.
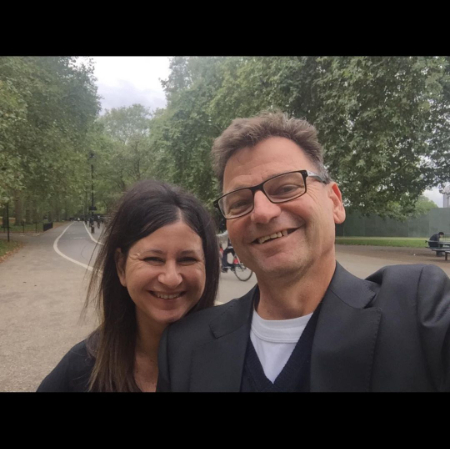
(250, 166)
(136, 254)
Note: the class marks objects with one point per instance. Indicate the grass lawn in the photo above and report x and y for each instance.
(7, 247)
(406, 242)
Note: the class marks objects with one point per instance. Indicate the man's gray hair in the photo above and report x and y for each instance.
(248, 132)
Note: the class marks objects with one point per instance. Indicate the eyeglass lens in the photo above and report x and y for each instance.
(279, 189)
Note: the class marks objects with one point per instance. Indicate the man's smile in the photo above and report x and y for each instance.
(274, 236)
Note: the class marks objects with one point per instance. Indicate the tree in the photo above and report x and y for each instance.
(376, 118)
(423, 206)
(123, 151)
(51, 103)
(383, 121)
(183, 133)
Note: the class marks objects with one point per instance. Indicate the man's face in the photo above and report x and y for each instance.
(309, 220)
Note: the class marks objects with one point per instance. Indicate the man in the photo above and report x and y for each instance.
(308, 325)
(433, 242)
(228, 250)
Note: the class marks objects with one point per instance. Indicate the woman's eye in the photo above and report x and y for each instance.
(153, 260)
(188, 260)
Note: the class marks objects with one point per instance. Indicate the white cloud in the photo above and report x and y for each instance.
(124, 80)
(434, 195)
(125, 94)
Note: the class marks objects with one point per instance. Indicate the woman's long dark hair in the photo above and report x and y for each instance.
(146, 207)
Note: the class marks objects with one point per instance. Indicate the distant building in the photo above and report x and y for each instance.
(445, 195)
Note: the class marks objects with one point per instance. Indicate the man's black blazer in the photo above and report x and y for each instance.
(390, 332)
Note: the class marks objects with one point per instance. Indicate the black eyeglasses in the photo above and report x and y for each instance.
(278, 189)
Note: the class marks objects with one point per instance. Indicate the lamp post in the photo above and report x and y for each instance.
(92, 208)
(7, 219)
(7, 209)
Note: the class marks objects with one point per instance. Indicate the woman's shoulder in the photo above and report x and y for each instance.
(72, 373)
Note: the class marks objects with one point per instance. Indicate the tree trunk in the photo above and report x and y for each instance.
(18, 203)
(36, 216)
(4, 218)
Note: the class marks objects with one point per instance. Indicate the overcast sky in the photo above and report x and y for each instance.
(125, 80)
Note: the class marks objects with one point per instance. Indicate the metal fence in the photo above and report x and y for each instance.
(357, 225)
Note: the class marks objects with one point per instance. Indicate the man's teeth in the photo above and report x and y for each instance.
(275, 235)
(160, 295)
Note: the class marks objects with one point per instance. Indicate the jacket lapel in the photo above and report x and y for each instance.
(343, 347)
(346, 334)
(218, 365)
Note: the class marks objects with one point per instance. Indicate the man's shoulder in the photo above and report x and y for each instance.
(411, 283)
(392, 281)
(401, 274)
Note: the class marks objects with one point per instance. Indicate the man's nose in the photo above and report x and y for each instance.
(263, 209)
(170, 276)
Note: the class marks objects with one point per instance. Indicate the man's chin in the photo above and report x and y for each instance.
(276, 271)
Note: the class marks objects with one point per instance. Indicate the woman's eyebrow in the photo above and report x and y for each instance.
(187, 252)
(151, 250)
(158, 251)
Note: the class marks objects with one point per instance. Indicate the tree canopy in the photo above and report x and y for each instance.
(383, 123)
(47, 105)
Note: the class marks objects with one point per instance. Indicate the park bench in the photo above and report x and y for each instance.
(444, 248)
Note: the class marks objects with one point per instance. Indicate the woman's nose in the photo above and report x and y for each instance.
(170, 276)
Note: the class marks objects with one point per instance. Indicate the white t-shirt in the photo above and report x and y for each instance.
(274, 341)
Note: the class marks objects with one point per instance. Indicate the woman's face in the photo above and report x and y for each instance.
(164, 274)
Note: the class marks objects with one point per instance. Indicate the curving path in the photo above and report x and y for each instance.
(43, 286)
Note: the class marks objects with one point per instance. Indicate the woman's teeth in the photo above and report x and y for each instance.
(162, 296)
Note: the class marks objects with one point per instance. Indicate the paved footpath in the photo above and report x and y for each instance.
(41, 298)
(364, 260)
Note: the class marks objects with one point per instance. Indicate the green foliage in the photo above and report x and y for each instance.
(183, 133)
(47, 107)
(376, 121)
(423, 206)
(383, 121)
(123, 153)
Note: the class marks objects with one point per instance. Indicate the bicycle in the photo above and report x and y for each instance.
(242, 272)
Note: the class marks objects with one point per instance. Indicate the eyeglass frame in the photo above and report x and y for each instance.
(259, 187)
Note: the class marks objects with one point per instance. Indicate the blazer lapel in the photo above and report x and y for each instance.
(346, 334)
(224, 356)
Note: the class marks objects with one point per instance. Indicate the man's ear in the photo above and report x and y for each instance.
(338, 206)
(120, 258)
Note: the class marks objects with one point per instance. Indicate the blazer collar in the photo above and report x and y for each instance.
(225, 355)
(346, 334)
(236, 314)
(343, 347)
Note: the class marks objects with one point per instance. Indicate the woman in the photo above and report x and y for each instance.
(159, 261)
